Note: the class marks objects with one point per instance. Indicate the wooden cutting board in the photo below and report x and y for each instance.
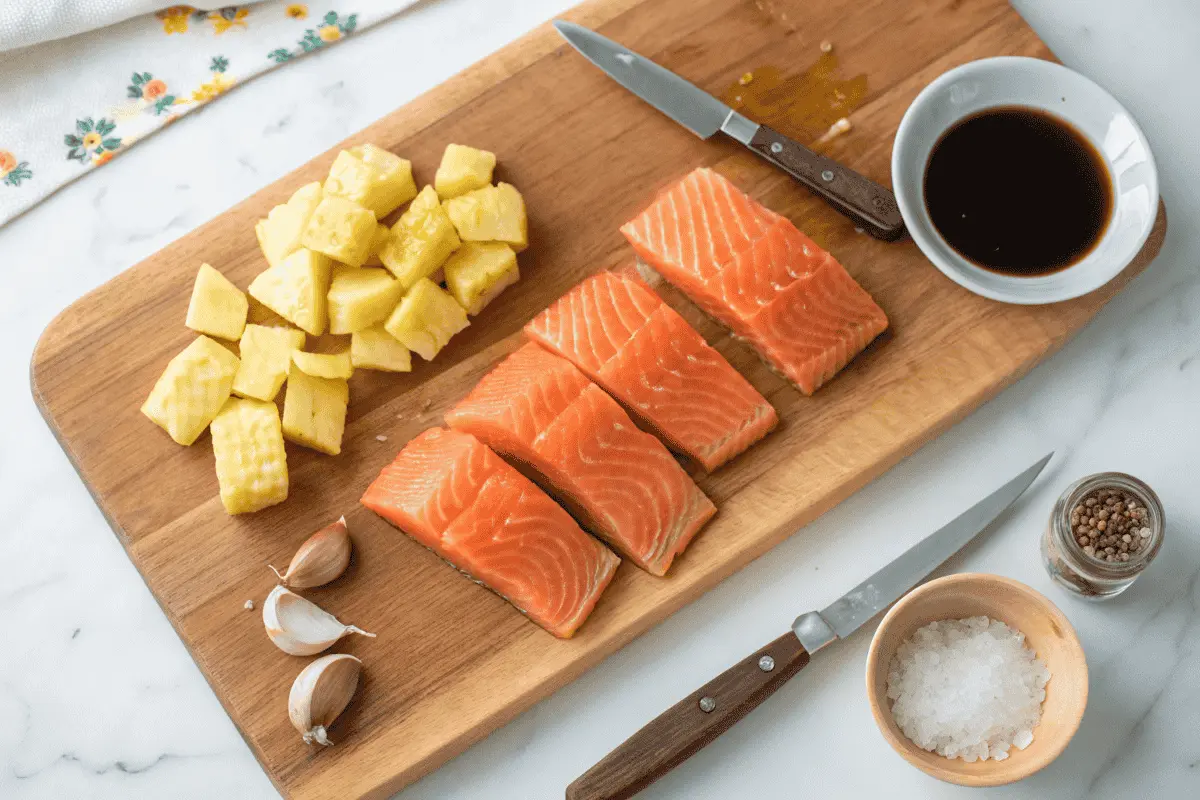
(452, 662)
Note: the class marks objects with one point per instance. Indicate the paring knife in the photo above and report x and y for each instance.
(864, 201)
(698, 719)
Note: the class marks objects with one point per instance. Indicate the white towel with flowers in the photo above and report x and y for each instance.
(69, 105)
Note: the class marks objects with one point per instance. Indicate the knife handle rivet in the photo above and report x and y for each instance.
(776, 147)
(766, 663)
(827, 175)
(707, 704)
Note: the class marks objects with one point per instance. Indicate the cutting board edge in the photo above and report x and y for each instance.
(429, 107)
(708, 581)
(453, 747)
(594, 11)
(434, 103)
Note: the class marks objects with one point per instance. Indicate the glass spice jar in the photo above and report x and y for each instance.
(1086, 575)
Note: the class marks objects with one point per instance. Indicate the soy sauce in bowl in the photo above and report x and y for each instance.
(1018, 191)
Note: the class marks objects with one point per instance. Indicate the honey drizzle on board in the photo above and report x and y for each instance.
(803, 106)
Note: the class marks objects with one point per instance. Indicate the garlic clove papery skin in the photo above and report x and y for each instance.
(300, 627)
(321, 693)
(322, 558)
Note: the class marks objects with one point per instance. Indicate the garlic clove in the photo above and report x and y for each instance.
(300, 627)
(322, 558)
(320, 693)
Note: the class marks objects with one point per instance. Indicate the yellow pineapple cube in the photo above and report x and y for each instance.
(314, 411)
(324, 365)
(463, 169)
(192, 389)
(492, 214)
(426, 319)
(296, 289)
(341, 230)
(266, 357)
(479, 271)
(421, 205)
(279, 234)
(251, 462)
(217, 308)
(360, 297)
(420, 242)
(383, 234)
(373, 178)
(375, 348)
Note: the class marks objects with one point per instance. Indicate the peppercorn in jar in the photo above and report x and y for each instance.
(1104, 530)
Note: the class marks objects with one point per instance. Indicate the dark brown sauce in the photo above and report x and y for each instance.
(1018, 191)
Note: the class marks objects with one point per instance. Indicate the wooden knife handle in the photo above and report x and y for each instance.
(864, 201)
(682, 730)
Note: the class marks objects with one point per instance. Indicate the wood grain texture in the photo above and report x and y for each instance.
(687, 727)
(452, 662)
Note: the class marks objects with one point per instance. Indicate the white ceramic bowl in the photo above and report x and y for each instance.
(1034, 83)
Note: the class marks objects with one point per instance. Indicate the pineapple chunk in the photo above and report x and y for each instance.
(218, 308)
(373, 178)
(479, 271)
(314, 411)
(192, 389)
(251, 462)
(426, 319)
(266, 356)
(425, 202)
(420, 243)
(492, 214)
(383, 235)
(324, 365)
(296, 290)
(279, 234)
(341, 230)
(462, 170)
(375, 348)
(360, 297)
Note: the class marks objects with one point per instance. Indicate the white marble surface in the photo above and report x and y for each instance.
(98, 698)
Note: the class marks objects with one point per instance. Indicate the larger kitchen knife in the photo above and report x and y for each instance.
(698, 719)
(866, 202)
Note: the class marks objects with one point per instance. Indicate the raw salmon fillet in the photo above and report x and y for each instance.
(625, 338)
(757, 274)
(618, 480)
(451, 493)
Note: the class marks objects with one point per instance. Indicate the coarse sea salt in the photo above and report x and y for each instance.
(967, 688)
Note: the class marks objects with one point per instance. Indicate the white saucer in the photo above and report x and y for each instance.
(1031, 82)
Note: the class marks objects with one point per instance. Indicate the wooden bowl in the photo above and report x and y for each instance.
(1046, 630)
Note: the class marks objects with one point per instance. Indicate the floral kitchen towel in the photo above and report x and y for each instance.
(72, 104)
(26, 22)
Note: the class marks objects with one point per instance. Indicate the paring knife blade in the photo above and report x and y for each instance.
(846, 614)
(698, 719)
(866, 202)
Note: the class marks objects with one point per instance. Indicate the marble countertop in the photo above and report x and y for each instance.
(98, 697)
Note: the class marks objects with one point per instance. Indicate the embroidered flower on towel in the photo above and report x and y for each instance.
(150, 90)
(228, 17)
(12, 172)
(219, 84)
(91, 140)
(297, 11)
(332, 28)
(175, 18)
